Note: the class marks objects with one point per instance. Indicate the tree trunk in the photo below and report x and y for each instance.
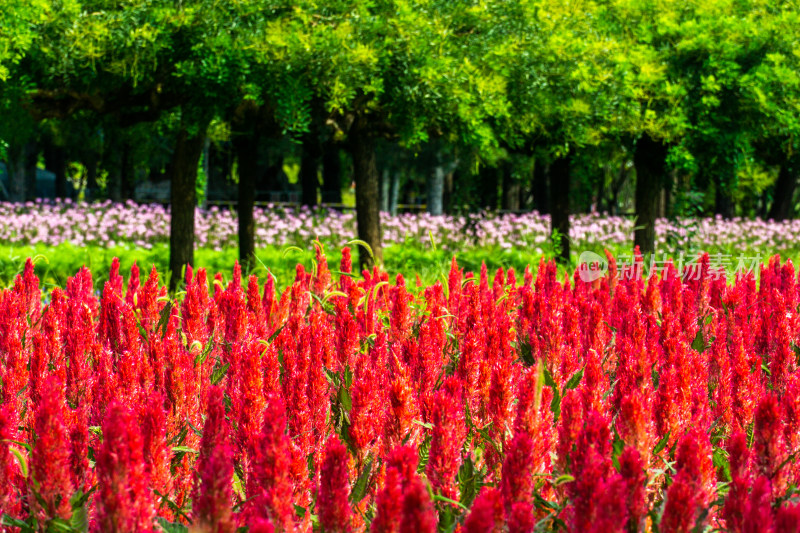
(394, 192)
(511, 189)
(183, 200)
(559, 217)
(435, 199)
(449, 180)
(487, 187)
(245, 145)
(17, 169)
(55, 161)
(331, 174)
(128, 173)
(783, 205)
(386, 180)
(92, 188)
(368, 215)
(723, 203)
(541, 197)
(115, 160)
(31, 164)
(649, 158)
(309, 172)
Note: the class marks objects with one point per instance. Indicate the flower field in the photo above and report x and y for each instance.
(514, 403)
(145, 226)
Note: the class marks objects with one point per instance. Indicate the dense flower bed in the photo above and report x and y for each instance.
(143, 226)
(352, 404)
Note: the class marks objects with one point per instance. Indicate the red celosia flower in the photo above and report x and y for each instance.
(157, 452)
(389, 503)
(692, 485)
(334, 489)
(449, 432)
(123, 500)
(521, 519)
(212, 496)
(50, 477)
(758, 513)
(486, 514)
(261, 525)
(403, 504)
(681, 507)
(787, 519)
(10, 476)
(269, 483)
(632, 470)
(769, 446)
(517, 479)
(418, 514)
(736, 500)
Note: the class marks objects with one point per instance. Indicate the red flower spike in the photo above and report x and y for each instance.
(633, 471)
(418, 513)
(334, 510)
(521, 519)
(123, 500)
(517, 480)
(486, 514)
(448, 434)
(11, 479)
(758, 513)
(787, 519)
(269, 482)
(50, 481)
(212, 496)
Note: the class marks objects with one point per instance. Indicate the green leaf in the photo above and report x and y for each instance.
(721, 463)
(163, 319)
(171, 527)
(660, 445)
(203, 355)
(79, 521)
(184, 449)
(440, 498)
(360, 486)
(468, 481)
(426, 425)
(20, 443)
(555, 404)
(21, 459)
(24, 527)
(548, 378)
(699, 343)
(563, 478)
(344, 398)
(219, 373)
(574, 380)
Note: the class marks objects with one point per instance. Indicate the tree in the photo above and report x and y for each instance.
(562, 89)
(135, 62)
(399, 70)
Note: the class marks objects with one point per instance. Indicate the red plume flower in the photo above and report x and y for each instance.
(486, 514)
(517, 480)
(449, 431)
(212, 497)
(50, 477)
(269, 482)
(418, 514)
(334, 489)
(123, 501)
(10, 476)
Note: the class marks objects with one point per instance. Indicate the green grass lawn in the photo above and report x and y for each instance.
(55, 263)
